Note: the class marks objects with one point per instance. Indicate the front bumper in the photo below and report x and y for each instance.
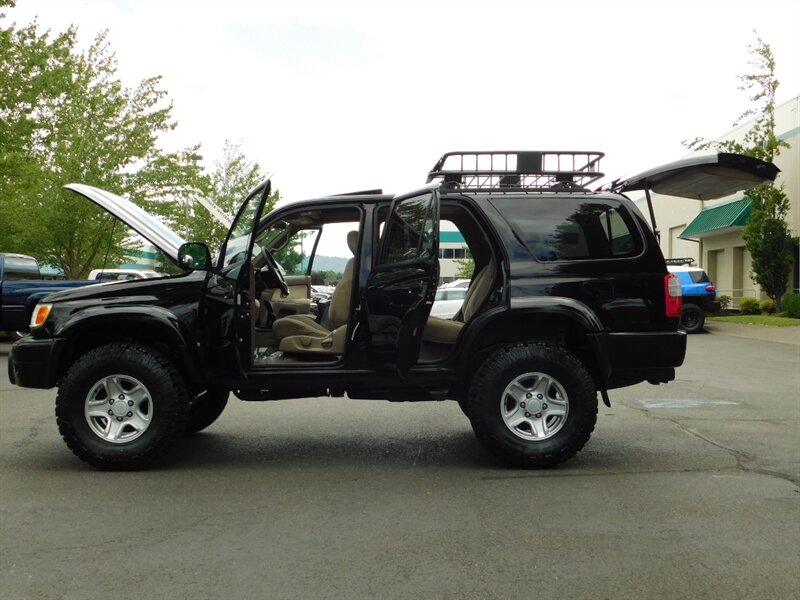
(34, 363)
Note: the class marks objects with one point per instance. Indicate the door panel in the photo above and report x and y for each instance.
(401, 287)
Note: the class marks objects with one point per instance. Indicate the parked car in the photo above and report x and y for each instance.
(122, 274)
(571, 298)
(447, 302)
(458, 283)
(699, 297)
(21, 287)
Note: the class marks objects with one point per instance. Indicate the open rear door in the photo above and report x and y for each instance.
(402, 285)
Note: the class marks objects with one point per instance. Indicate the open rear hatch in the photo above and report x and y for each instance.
(700, 178)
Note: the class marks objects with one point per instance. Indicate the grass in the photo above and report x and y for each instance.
(765, 320)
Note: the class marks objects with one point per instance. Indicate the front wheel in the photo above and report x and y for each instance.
(121, 406)
(533, 405)
(206, 408)
(692, 318)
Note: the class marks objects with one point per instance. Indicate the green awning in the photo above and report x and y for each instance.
(719, 219)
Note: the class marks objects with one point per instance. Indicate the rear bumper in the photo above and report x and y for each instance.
(712, 306)
(34, 363)
(628, 358)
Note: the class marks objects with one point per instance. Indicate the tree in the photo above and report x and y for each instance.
(766, 234)
(233, 177)
(466, 266)
(66, 117)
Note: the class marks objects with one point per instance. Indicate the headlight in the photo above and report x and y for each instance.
(40, 314)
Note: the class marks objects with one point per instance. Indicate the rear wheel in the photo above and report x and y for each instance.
(533, 405)
(692, 318)
(121, 406)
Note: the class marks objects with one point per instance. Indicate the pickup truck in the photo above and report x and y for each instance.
(21, 287)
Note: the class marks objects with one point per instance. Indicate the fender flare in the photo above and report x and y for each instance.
(562, 306)
(152, 318)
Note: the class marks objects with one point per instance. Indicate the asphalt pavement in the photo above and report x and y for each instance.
(686, 490)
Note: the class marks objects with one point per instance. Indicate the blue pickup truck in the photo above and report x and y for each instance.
(21, 287)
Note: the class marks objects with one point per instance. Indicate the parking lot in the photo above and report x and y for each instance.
(688, 490)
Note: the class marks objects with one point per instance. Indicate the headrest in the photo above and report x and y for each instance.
(352, 241)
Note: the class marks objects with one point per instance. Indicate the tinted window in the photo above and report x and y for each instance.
(571, 228)
(410, 231)
(699, 277)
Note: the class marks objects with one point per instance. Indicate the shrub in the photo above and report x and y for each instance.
(724, 301)
(767, 306)
(791, 305)
(749, 306)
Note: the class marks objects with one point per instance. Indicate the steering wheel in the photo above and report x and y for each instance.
(273, 268)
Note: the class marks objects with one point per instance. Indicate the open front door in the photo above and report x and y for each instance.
(402, 285)
(229, 294)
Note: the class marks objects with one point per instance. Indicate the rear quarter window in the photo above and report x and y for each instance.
(559, 229)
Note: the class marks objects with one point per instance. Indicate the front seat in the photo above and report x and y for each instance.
(302, 334)
(445, 331)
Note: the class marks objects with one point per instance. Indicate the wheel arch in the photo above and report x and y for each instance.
(559, 321)
(148, 326)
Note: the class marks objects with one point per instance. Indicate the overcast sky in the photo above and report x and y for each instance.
(335, 97)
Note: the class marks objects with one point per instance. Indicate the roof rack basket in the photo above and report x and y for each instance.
(515, 171)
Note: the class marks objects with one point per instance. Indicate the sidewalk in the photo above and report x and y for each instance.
(782, 335)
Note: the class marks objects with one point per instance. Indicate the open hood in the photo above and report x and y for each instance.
(150, 228)
(703, 177)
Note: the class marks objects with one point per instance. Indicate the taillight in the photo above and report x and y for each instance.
(709, 288)
(673, 301)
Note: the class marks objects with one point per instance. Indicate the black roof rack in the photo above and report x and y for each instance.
(512, 170)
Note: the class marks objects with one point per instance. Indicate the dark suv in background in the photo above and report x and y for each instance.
(570, 296)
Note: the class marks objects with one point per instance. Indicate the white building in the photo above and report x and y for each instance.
(451, 249)
(711, 232)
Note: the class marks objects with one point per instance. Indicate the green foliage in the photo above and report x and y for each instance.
(791, 304)
(766, 234)
(724, 301)
(769, 240)
(466, 266)
(230, 181)
(766, 306)
(66, 117)
(325, 277)
(749, 306)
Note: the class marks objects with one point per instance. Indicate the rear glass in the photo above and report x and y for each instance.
(571, 228)
(699, 277)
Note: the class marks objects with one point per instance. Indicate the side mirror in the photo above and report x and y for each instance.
(194, 256)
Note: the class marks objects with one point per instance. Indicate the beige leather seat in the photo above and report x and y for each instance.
(302, 334)
(445, 331)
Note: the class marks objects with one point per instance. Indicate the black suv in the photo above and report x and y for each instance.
(570, 296)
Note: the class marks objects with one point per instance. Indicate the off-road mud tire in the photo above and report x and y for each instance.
(166, 394)
(486, 400)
